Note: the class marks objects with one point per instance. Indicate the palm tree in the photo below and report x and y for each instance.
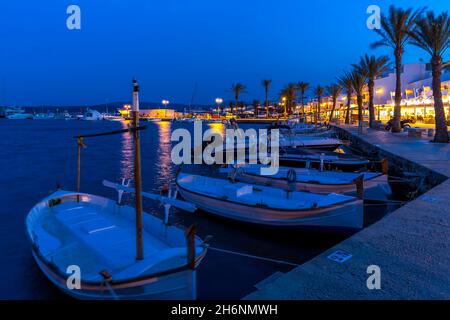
(335, 91)
(346, 83)
(237, 89)
(290, 94)
(302, 87)
(373, 67)
(358, 80)
(319, 91)
(432, 34)
(266, 84)
(395, 33)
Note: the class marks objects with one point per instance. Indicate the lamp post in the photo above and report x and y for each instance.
(165, 103)
(218, 103)
(284, 104)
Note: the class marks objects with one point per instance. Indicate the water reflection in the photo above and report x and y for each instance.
(217, 128)
(164, 173)
(127, 157)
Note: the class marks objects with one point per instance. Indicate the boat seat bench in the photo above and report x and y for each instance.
(104, 233)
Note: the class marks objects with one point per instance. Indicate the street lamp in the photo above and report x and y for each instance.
(218, 102)
(165, 103)
(284, 104)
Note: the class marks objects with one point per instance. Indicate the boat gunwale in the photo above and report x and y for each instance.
(311, 182)
(92, 285)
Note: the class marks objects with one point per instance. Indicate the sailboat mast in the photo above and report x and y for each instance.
(137, 172)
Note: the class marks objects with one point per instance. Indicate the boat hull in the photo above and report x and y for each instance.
(346, 215)
(130, 281)
(374, 189)
(178, 286)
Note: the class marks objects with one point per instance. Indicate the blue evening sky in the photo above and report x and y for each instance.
(170, 45)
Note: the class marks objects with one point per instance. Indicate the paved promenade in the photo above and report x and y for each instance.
(410, 245)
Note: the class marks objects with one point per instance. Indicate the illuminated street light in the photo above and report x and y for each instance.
(218, 102)
(285, 106)
(165, 103)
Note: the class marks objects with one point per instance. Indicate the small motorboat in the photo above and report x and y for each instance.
(298, 128)
(91, 115)
(321, 159)
(17, 113)
(97, 235)
(44, 116)
(153, 119)
(312, 142)
(375, 184)
(264, 205)
(92, 247)
(112, 117)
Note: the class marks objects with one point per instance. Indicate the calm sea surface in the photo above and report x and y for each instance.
(38, 155)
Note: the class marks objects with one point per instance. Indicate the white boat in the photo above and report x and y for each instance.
(110, 117)
(312, 142)
(63, 116)
(44, 116)
(98, 236)
(91, 115)
(270, 206)
(375, 184)
(17, 113)
(153, 119)
(91, 247)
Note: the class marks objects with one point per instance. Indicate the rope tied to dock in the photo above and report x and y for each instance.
(254, 257)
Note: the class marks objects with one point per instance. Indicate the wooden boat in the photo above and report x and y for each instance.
(375, 184)
(317, 158)
(114, 251)
(270, 206)
(98, 236)
(299, 128)
(311, 142)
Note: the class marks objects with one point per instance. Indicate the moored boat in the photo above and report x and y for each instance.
(91, 247)
(264, 205)
(91, 115)
(321, 159)
(312, 142)
(375, 184)
(97, 235)
(44, 116)
(17, 113)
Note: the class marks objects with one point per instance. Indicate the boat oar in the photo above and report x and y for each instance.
(187, 206)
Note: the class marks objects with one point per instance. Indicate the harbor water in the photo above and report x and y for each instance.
(38, 156)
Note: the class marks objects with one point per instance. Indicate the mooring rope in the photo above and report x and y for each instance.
(254, 257)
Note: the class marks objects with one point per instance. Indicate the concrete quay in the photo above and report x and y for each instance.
(411, 245)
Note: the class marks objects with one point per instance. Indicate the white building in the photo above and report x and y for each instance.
(417, 94)
(411, 73)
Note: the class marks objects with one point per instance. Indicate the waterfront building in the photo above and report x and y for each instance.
(417, 94)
